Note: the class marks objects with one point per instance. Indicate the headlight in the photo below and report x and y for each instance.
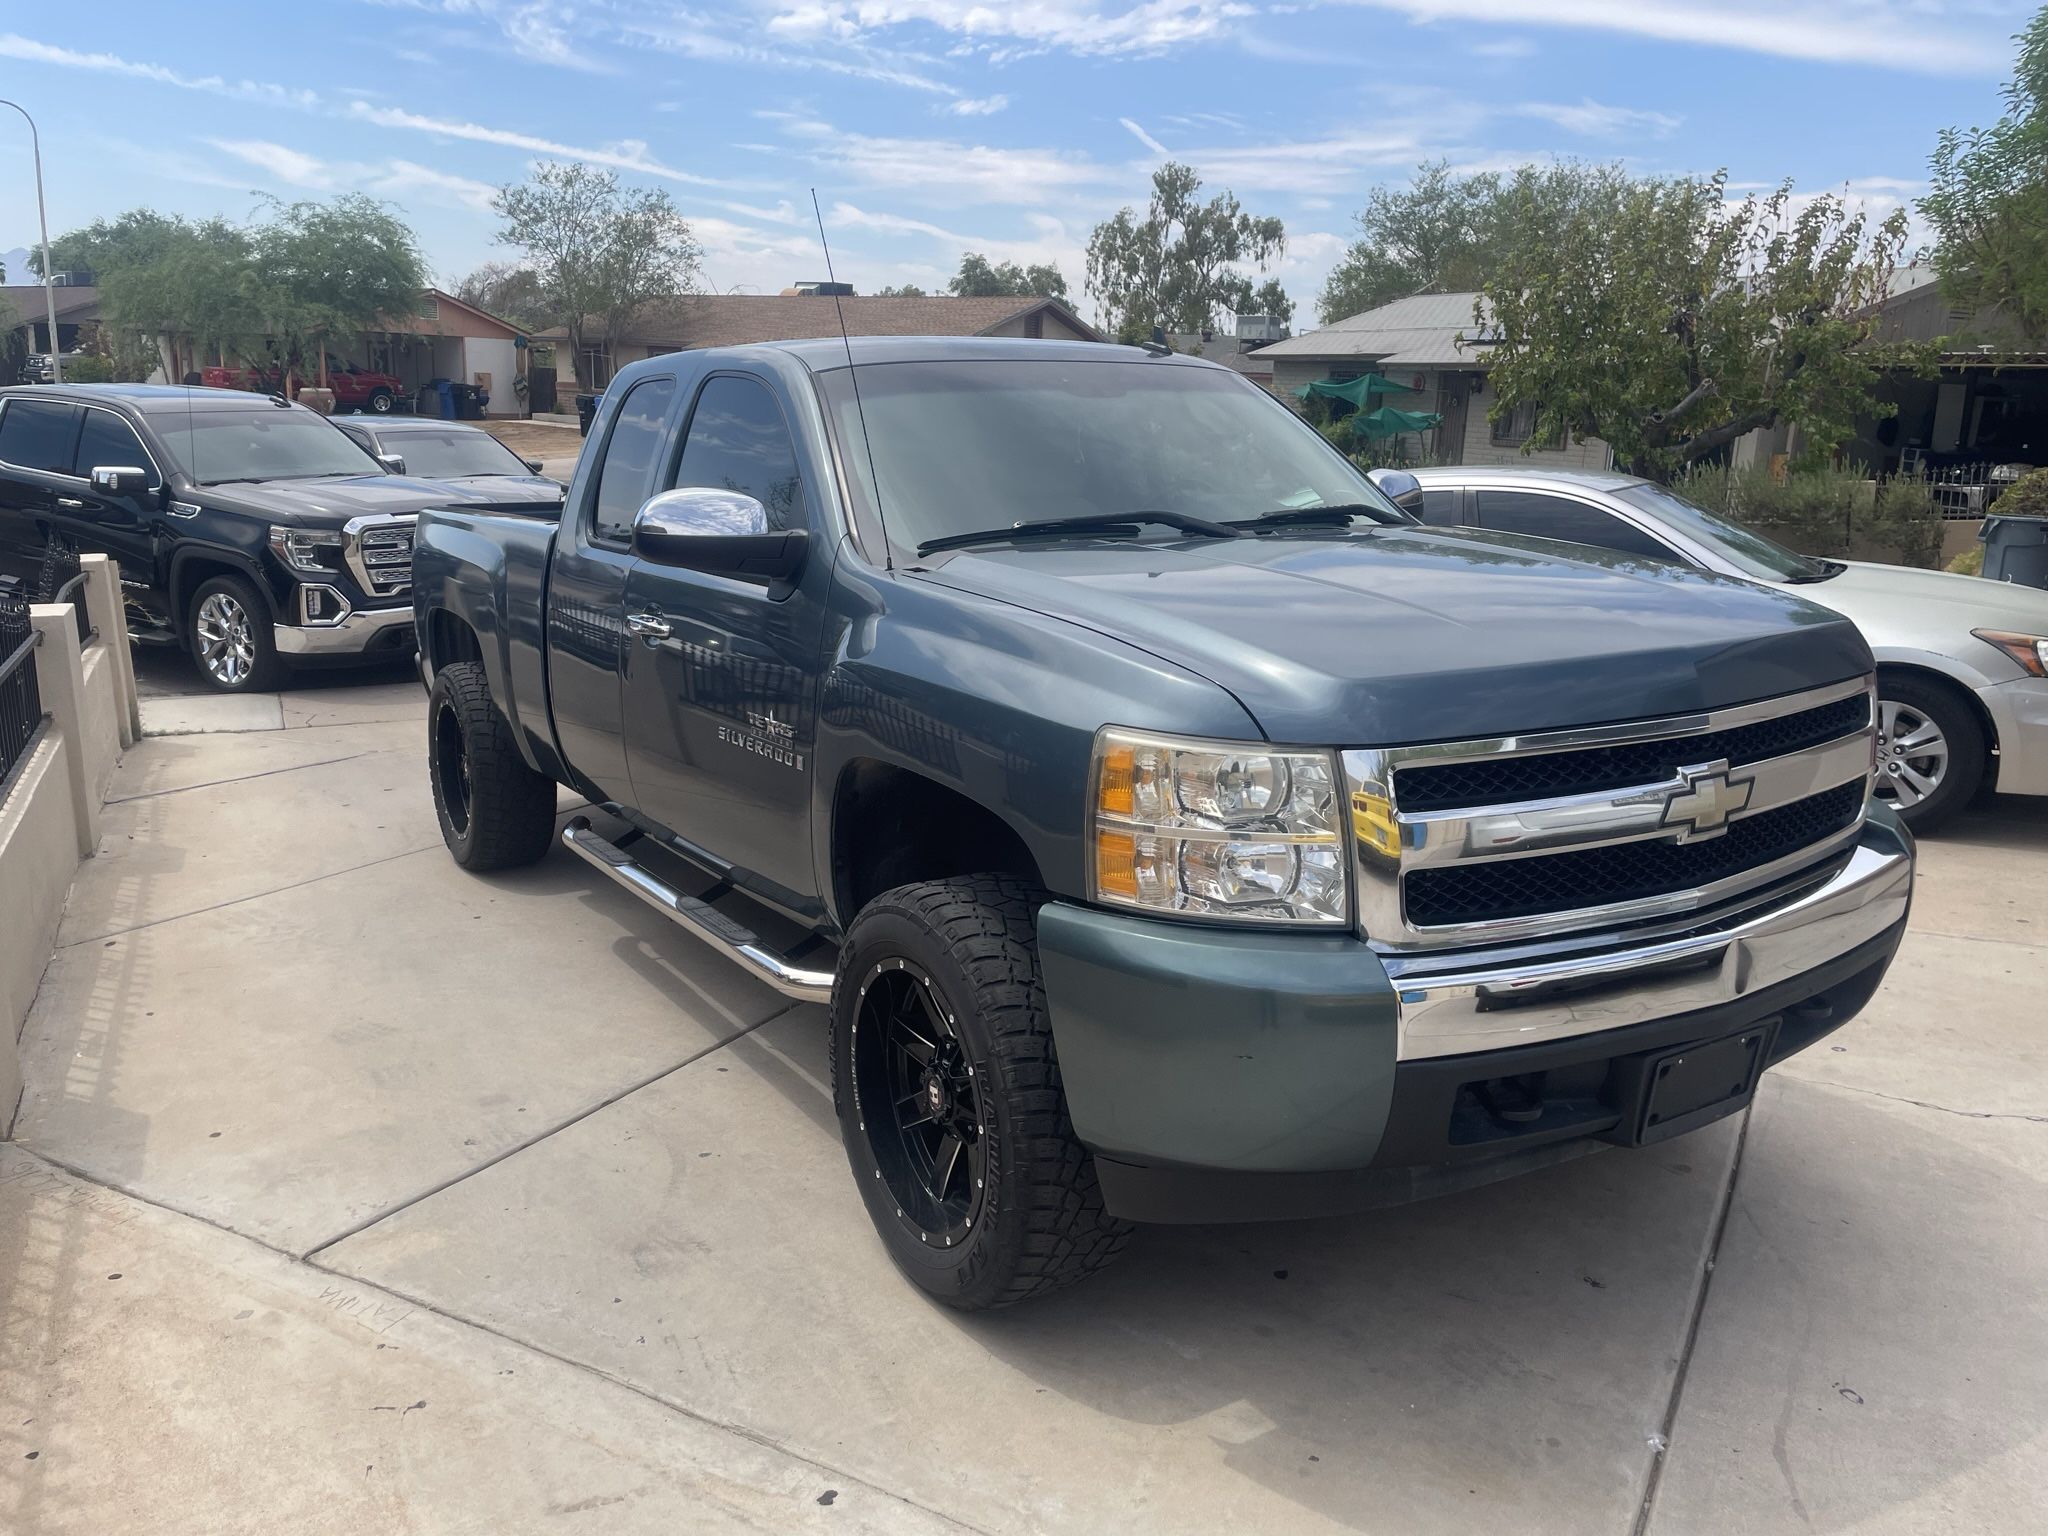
(2030, 651)
(307, 549)
(1216, 829)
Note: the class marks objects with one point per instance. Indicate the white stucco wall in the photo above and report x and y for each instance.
(500, 359)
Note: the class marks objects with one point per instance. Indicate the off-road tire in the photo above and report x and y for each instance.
(495, 812)
(1041, 1224)
(266, 668)
(1968, 750)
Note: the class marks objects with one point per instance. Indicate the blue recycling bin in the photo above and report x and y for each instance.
(445, 390)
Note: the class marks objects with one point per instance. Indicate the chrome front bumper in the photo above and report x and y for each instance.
(1454, 1004)
(357, 632)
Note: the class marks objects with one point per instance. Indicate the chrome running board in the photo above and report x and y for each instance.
(697, 918)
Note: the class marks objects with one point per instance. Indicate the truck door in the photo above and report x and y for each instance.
(587, 646)
(129, 526)
(721, 676)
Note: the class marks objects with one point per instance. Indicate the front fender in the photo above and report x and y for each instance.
(997, 702)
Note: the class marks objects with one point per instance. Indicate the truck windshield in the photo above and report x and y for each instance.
(263, 442)
(452, 453)
(1752, 554)
(968, 445)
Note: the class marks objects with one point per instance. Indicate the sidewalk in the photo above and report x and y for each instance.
(445, 1203)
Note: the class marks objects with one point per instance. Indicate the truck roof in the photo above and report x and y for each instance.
(150, 399)
(823, 354)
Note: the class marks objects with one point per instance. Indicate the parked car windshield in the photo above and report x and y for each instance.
(216, 446)
(1748, 551)
(450, 453)
(959, 446)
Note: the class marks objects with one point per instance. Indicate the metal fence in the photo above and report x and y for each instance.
(21, 699)
(62, 580)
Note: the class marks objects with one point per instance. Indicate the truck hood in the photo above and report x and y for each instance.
(1933, 609)
(1403, 635)
(331, 502)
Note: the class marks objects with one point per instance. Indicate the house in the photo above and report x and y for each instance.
(446, 338)
(1431, 343)
(23, 309)
(737, 319)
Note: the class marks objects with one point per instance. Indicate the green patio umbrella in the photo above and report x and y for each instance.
(1358, 391)
(1388, 422)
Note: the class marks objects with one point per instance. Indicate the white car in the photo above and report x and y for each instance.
(1962, 662)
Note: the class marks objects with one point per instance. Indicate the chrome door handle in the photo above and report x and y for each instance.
(651, 626)
(71, 503)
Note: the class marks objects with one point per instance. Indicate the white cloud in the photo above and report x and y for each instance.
(1597, 120)
(977, 106)
(949, 171)
(697, 38)
(14, 46)
(1079, 26)
(1880, 32)
(626, 155)
(1504, 48)
(1143, 137)
(395, 179)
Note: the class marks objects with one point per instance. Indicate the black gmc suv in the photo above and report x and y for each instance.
(248, 530)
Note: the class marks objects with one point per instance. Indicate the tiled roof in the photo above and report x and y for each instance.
(736, 319)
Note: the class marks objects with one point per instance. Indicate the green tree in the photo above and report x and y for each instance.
(1436, 235)
(1988, 197)
(901, 291)
(1270, 298)
(320, 273)
(172, 293)
(1659, 316)
(599, 250)
(1177, 268)
(509, 291)
(979, 278)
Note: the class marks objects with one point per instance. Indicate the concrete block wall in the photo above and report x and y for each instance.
(49, 817)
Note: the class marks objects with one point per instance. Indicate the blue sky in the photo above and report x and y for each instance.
(930, 126)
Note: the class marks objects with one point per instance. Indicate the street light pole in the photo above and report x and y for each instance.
(35, 144)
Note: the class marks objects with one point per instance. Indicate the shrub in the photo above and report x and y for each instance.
(1824, 511)
(88, 368)
(1969, 563)
(2026, 496)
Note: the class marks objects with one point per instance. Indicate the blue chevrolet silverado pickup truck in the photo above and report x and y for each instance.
(1176, 830)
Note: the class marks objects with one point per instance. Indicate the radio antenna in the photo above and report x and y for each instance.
(852, 374)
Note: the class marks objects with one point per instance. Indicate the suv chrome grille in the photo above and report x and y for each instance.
(1493, 841)
(379, 553)
(1435, 787)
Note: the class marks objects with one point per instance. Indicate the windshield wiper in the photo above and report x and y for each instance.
(1097, 522)
(1336, 516)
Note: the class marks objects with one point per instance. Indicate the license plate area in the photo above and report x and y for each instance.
(1689, 1087)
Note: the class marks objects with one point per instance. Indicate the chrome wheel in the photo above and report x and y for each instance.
(227, 639)
(1912, 754)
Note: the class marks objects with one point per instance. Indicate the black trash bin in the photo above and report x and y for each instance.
(586, 408)
(2016, 549)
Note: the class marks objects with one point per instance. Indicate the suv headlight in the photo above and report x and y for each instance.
(1218, 829)
(315, 550)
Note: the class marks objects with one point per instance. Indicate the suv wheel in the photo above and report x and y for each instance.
(1930, 751)
(495, 812)
(949, 1097)
(381, 402)
(227, 629)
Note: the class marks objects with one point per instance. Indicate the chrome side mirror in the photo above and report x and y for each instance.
(1399, 487)
(119, 479)
(724, 533)
(394, 463)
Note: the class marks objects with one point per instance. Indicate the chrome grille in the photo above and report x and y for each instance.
(1491, 841)
(379, 552)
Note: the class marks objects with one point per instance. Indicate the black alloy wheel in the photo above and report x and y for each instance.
(918, 1105)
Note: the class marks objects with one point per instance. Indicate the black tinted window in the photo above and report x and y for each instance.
(1440, 509)
(38, 434)
(625, 474)
(738, 442)
(108, 442)
(1560, 517)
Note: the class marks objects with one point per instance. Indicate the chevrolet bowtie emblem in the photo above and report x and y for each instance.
(1710, 796)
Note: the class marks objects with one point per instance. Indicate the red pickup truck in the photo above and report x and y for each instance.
(355, 389)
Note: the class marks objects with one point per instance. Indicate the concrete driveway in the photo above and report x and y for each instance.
(355, 1193)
